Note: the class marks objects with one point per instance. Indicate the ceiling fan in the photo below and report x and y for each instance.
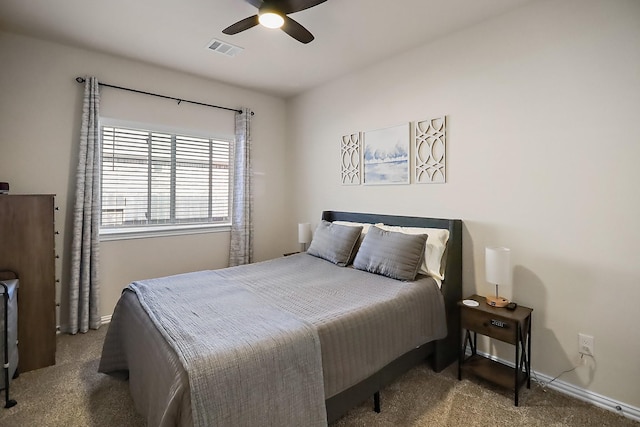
(273, 14)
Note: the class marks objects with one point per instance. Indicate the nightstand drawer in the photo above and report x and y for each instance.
(489, 324)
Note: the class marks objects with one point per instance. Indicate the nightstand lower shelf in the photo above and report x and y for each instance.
(492, 371)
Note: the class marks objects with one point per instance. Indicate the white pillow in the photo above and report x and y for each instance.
(365, 226)
(433, 264)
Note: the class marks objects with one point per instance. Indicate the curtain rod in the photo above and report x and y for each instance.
(82, 80)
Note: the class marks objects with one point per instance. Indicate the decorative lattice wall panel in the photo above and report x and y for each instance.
(430, 139)
(350, 155)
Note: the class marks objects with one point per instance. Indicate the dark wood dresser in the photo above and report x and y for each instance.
(27, 247)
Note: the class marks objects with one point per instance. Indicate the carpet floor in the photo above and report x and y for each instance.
(73, 393)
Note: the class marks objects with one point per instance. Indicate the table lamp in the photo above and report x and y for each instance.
(498, 271)
(304, 235)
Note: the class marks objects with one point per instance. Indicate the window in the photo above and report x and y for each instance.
(158, 180)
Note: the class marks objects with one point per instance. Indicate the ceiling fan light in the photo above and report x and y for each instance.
(271, 20)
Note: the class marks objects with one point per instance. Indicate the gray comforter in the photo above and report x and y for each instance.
(363, 322)
(266, 360)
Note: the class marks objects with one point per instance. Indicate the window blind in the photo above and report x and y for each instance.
(154, 178)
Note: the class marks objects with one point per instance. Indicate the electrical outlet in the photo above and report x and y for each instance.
(585, 344)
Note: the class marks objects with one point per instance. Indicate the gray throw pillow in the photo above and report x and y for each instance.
(391, 254)
(334, 242)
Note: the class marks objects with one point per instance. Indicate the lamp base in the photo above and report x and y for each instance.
(497, 301)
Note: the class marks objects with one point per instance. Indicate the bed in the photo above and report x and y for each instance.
(314, 337)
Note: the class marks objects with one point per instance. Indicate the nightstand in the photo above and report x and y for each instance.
(513, 327)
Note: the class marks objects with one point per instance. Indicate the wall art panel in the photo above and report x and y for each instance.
(430, 143)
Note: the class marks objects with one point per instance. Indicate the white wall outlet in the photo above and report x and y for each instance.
(585, 344)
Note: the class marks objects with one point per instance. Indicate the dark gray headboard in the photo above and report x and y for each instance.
(451, 286)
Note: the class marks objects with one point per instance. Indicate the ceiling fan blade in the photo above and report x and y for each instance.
(242, 25)
(297, 31)
(293, 6)
(255, 3)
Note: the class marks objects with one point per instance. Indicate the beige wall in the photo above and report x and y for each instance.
(40, 109)
(543, 145)
(543, 139)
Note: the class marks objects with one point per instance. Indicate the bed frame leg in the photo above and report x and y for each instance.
(376, 401)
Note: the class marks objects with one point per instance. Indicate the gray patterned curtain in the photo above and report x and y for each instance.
(84, 289)
(241, 250)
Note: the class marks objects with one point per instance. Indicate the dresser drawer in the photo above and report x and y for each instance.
(490, 324)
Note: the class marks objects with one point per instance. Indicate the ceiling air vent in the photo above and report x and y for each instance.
(224, 48)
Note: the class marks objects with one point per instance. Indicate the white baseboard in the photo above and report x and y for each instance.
(580, 393)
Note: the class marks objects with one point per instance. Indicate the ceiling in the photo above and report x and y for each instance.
(349, 34)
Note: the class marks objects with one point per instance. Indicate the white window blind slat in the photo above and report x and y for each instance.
(155, 178)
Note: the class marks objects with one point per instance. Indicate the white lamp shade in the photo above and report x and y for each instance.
(498, 265)
(304, 233)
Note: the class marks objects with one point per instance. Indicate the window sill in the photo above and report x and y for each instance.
(107, 235)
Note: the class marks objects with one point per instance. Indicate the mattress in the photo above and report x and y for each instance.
(363, 321)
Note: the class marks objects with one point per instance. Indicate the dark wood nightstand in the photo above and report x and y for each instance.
(513, 327)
